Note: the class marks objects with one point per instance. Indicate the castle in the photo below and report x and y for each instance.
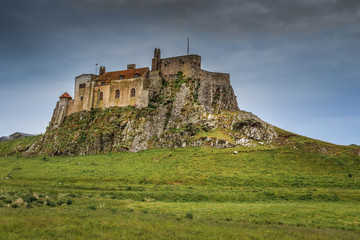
(135, 86)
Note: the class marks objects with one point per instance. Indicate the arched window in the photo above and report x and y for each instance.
(132, 94)
(122, 76)
(101, 96)
(117, 93)
(137, 75)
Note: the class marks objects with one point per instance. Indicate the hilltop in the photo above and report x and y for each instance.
(175, 117)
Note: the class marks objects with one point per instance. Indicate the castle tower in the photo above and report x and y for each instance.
(61, 110)
(156, 63)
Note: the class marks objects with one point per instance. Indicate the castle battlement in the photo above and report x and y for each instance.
(134, 86)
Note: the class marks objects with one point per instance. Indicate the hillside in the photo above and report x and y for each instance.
(294, 188)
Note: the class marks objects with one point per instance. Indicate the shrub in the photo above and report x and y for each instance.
(40, 201)
(60, 202)
(349, 175)
(1, 204)
(50, 203)
(30, 198)
(69, 202)
(189, 215)
(92, 207)
(14, 205)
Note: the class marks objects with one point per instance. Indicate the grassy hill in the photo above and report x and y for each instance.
(295, 188)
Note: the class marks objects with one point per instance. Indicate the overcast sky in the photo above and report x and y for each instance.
(295, 64)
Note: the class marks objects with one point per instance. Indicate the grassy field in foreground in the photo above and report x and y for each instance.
(265, 192)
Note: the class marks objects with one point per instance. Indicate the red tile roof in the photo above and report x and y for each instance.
(66, 95)
(126, 73)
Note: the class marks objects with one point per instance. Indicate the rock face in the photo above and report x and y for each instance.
(183, 112)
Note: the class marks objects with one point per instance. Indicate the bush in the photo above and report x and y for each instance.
(40, 201)
(69, 202)
(14, 205)
(60, 202)
(349, 175)
(92, 207)
(30, 198)
(189, 215)
(50, 203)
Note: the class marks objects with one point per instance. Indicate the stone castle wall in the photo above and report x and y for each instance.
(215, 92)
(169, 67)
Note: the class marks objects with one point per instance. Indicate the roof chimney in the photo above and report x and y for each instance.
(102, 70)
(131, 66)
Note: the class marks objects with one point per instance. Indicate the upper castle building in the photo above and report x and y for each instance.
(134, 86)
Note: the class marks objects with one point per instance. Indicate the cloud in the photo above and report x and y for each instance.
(233, 16)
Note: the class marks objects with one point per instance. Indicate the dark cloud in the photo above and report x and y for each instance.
(233, 16)
(216, 17)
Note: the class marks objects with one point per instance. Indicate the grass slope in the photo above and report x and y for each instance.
(297, 188)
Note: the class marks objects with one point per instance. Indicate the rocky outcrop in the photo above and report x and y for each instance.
(184, 112)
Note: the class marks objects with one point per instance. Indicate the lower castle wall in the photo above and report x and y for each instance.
(216, 93)
(213, 77)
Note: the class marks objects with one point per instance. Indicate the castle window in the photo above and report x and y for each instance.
(101, 97)
(137, 75)
(122, 76)
(82, 85)
(81, 98)
(198, 64)
(102, 83)
(195, 64)
(117, 93)
(132, 94)
(165, 65)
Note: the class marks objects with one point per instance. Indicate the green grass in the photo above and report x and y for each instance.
(292, 189)
(11, 147)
